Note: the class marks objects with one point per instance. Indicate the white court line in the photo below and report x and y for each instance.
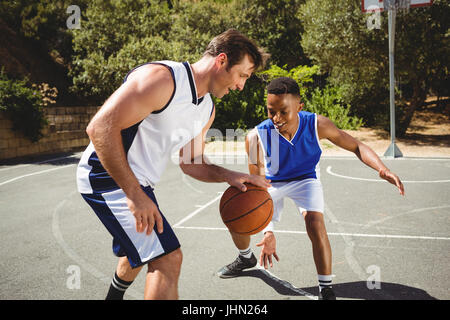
(33, 174)
(374, 222)
(393, 236)
(377, 180)
(191, 215)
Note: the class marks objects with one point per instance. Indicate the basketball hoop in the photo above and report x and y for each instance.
(397, 5)
(394, 5)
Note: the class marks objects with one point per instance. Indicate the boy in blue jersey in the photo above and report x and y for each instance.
(285, 149)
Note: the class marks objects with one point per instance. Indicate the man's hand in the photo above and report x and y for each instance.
(268, 244)
(237, 179)
(146, 213)
(392, 178)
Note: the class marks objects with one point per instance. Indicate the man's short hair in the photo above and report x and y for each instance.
(235, 45)
(283, 85)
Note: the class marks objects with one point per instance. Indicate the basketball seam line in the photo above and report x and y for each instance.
(248, 211)
(238, 194)
(271, 211)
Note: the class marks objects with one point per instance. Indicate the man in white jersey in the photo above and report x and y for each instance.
(285, 149)
(160, 108)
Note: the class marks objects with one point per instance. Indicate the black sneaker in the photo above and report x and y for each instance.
(235, 268)
(327, 294)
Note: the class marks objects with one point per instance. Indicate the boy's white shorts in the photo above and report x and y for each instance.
(307, 195)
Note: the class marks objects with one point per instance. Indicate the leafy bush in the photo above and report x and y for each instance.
(329, 103)
(23, 105)
(303, 75)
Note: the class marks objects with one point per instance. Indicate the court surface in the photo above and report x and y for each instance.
(385, 246)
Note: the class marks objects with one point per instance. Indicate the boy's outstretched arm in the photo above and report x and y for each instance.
(327, 130)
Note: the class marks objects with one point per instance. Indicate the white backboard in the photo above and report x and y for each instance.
(378, 5)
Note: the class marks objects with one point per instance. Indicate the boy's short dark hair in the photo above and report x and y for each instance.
(283, 85)
(235, 45)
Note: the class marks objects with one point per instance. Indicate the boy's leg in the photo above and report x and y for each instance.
(241, 241)
(245, 260)
(315, 227)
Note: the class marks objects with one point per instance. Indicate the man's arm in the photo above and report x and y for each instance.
(254, 153)
(197, 165)
(327, 129)
(140, 95)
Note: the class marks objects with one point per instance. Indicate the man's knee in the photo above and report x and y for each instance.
(168, 264)
(176, 257)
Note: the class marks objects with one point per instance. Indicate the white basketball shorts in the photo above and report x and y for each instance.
(307, 195)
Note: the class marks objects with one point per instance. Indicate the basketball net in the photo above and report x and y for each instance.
(397, 5)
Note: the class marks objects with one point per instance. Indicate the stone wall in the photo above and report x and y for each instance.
(66, 131)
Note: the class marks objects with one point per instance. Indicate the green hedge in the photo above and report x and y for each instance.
(23, 105)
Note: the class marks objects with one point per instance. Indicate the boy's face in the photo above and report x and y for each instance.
(282, 110)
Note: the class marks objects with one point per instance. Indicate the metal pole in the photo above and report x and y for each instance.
(393, 150)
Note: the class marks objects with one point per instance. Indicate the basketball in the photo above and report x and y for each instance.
(246, 212)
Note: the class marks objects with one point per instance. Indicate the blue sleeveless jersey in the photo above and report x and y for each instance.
(297, 159)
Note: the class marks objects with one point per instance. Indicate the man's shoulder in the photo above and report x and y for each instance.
(150, 72)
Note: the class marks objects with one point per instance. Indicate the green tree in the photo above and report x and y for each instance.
(116, 36)
(337, 38)
(276, 26)
(119, 35)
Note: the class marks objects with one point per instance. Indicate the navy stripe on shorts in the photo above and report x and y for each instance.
(140, 248)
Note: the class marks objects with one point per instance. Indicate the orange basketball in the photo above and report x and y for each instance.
(246, 212)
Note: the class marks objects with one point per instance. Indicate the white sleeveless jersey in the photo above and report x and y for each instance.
(150, 143)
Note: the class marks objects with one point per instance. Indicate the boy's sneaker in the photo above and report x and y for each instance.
(327, 294)
(237, 266)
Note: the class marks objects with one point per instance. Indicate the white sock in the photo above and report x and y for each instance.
(246, 253)
(324, 281)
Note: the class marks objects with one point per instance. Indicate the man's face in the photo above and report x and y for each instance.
(232, 79)
(282, 109)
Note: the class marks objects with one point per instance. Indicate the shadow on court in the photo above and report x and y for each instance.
(56, 159)
(349, 290)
